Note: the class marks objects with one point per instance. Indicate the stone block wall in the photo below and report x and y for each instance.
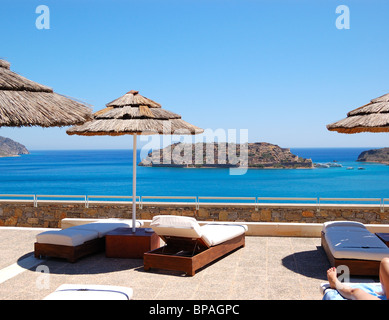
(50, 214)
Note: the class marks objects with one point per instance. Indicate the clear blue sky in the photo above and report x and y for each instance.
(280, 69)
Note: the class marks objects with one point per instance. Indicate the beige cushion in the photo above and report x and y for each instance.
(212, 233)
(176, 226)
(104, 226)
(344, 224)
(66, 237)
(77, 235)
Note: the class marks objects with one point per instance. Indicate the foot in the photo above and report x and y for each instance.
(332, 277)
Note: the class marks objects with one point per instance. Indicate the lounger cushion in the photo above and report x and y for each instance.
(104, 226)
(355, 242)
(176, 226)
(66, 237)
(345, 224)
(214, 234)
(78, 235)
(90, 292)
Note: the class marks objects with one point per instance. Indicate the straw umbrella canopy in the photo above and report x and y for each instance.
(27, 103)
(372, 117)
(136, 115)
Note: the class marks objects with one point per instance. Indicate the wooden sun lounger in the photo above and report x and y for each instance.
(76, 242)
(351, 244)
(356, 267)
(188, 255)
(70, 253)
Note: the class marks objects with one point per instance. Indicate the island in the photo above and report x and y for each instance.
(375, 155)
(10, 148)
(225, 155)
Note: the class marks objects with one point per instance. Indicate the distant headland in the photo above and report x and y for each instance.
(225, 155)
(10, 148)
(375, 155)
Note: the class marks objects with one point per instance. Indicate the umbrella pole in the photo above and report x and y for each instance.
(134, 185)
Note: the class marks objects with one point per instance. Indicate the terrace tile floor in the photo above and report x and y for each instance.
(267, 268)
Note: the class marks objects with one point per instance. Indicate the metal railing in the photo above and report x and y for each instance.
(197, 201)
(104, 199)
(20, 197)
(42, 197)
(354, 201)
(383, 204)
(167, 198)
(227, 199)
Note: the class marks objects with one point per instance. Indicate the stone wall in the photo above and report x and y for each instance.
(50, 214)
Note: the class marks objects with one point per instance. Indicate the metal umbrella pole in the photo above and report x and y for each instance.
(134, 185)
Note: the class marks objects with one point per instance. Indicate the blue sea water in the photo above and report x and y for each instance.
(109, 172)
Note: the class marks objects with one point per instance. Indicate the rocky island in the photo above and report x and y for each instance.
(375, 155)
(10, 148)
(225, 155)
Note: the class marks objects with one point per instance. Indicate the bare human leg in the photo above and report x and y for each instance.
(345, 290)
(384, 276)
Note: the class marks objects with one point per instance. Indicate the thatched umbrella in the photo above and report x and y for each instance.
(27, 103)
(136, 115)
(372, 117)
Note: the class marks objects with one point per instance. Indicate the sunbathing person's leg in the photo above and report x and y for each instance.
(345, 290)
(384, 276)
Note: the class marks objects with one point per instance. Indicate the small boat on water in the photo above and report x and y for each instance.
(350, 168)
(361, 168)
(328, 165)
(336, 165)
(321, 165)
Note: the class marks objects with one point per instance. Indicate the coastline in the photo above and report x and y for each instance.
(220, 167)
(375, 162)
(10, 156)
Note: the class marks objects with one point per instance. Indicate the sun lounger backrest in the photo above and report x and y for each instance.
(176, 226)
(342, 224)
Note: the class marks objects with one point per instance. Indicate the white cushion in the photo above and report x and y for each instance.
(104, 226)
(344, 224)
(90, 292)
(120, 220)
(66, 237)
(77, 235)
(176, 226)
(214, 234)
(355, 243)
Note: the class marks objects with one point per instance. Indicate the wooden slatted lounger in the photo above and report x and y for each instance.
(349, 243)
(79, 241)
(189, 247)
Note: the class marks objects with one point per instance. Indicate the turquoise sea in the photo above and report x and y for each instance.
(109, 172)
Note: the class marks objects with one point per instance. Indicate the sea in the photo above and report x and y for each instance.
(109, 173)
